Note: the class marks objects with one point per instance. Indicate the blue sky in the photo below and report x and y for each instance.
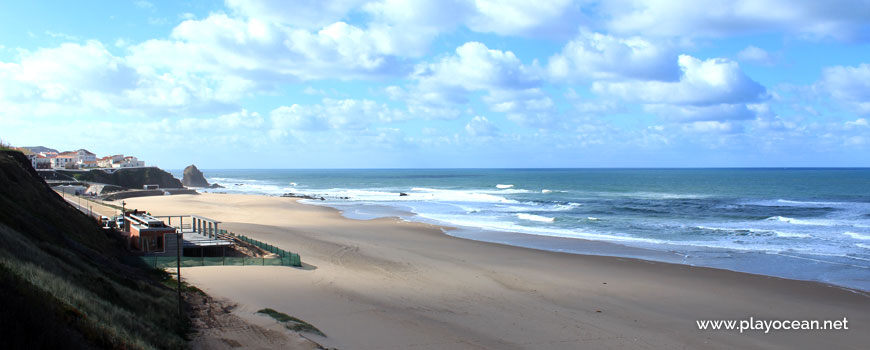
(449, 83)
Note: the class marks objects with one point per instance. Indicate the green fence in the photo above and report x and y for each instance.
(291, 259)
(163, 262)
(284, 258)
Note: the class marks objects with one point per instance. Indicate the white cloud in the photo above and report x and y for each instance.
(528, 107)
(443, 85)
(755, 55)
(529, 18)
(480, 126)
(232, 122)
(264, 53)
(850, 85)
(81, 79)
(703, 83)
(702, 113)
(309, 14)
(858, 123)
(711, 126)
(332, 114)
(559, 18)
(476, 67)
(600, 56)
(841, 20)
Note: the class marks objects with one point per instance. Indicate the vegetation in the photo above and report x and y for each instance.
(292, 323)
(66, 283)
(129, 178)
(4, 146)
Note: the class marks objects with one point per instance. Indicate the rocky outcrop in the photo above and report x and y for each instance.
(193, 177)
(134, 178)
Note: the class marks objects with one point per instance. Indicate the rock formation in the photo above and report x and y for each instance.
(193, 177)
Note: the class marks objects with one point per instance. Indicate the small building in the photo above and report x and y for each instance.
(147, 233)
(63, 160)
(128, 162)
(41, 162)
(83, 155)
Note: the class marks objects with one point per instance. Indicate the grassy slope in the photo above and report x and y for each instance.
(64, 283)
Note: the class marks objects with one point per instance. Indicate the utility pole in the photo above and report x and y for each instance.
(178, 248)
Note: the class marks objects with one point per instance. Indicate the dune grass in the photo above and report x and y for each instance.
(290, 322)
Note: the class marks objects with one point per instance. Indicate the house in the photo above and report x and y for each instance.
(64, 160)
(107, 161)
(41, 162)
(83, 155)
(128, 162)
(147, 233)
(87, 164)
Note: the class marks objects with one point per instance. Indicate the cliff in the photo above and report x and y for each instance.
(67, 284)
(129, 177)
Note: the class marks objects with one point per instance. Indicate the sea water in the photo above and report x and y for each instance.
(811, 224)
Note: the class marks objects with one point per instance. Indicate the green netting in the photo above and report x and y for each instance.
(234, 261)
(211, 261)
(272, 261)
(284, 258)
(191, 261)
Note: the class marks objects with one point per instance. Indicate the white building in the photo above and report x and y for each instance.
(84, 155)
(128, 162)
(41, 161)
(64, 160)
(107, 161)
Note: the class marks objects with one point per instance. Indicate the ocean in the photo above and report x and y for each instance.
(808, 224)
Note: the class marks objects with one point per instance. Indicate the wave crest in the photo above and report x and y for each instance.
(533, 217)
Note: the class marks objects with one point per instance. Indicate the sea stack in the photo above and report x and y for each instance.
(193, 177)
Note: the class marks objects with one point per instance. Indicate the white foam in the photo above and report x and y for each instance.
(653, 195)
(757, 230)
(494, 224)
(546, 191)
(802, 221)
(293, 184)
(591, 218)
(564, 207)
(532, 217)
(856, 235)
(503, 186)
(803, 203)
(452, 196)
(861, 245)
(791, 234)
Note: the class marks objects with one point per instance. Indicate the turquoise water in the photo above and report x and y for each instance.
(811, 224)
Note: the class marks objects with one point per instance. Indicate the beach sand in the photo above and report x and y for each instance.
(389, 284)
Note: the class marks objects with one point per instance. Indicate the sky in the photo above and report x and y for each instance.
(441, 83)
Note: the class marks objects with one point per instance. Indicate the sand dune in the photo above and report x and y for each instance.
(386, 284)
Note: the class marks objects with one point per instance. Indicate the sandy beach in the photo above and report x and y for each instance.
(389, 284)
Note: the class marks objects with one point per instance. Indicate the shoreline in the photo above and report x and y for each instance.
(415, 284)
(616, 249)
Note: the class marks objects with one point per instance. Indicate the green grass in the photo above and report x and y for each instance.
(290, 322)
(5, 146)
(169, 281)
